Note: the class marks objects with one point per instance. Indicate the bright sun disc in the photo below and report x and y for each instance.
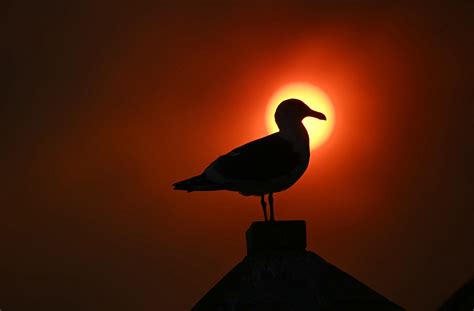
(318, 130)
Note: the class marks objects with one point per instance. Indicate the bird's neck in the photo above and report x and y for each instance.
(295, 132)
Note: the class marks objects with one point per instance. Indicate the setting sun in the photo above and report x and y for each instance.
(316, 99)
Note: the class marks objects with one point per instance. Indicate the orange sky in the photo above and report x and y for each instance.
(108, 107)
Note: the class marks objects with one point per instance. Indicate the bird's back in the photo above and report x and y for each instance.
(269, 164)
(259, 160)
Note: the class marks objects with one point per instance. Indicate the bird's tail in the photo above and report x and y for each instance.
(197, 183)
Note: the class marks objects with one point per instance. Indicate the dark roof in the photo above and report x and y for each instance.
(290, 280)
(462, 299)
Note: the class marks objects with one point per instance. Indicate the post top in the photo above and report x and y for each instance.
(287, 235)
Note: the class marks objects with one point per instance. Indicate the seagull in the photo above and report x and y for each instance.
(264, 166)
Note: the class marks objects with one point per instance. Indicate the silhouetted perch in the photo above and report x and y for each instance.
(279, 274)
(265, 236)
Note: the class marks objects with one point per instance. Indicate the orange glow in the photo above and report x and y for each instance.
(316, 99)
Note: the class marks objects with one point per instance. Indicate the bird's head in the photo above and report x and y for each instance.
(292, 111)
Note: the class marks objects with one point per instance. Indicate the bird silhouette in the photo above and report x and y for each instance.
(264, 166)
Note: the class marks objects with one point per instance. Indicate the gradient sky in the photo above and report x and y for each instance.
(108, 105)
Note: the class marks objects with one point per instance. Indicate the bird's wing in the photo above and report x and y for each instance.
(263, 159)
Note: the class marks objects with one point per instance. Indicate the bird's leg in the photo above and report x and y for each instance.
(264, 206)
(270, 200)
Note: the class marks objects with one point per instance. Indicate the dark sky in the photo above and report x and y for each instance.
(106, 105)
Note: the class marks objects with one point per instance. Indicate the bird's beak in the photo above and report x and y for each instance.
(317, 115)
